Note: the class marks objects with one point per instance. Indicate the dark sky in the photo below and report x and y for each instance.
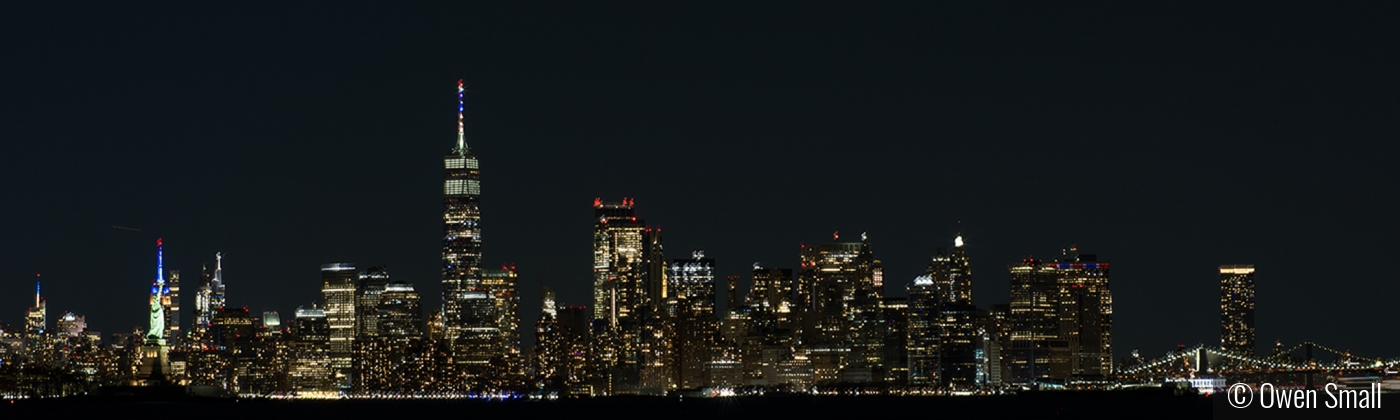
(1167, 139)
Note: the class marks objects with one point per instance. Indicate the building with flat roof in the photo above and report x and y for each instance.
(1237, 308)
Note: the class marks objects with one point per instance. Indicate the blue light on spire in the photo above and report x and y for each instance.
(160, 262)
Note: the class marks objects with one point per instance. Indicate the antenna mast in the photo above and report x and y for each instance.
(160, 262)
(461, 108)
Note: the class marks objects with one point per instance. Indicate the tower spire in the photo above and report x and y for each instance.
(160, 262)
(36, 290)
(461, 109)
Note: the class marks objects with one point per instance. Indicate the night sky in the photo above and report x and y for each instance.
(1168, 139)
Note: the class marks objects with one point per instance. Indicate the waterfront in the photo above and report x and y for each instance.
(1070, 405)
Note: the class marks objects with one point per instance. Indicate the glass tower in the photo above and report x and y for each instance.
(461, 217)
(338, 290)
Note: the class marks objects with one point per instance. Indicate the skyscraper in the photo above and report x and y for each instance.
(618, 262)
(841, 289)
(172, 313)
(461, 217)
(71, 325)
(504, 286)
(35, 326)
(1035, 296)
(367, 293)
(208, 303)
(338, 291)
(549, 353)
(310, 372)
(896, 329)
(1237, 308)
(400, 311)
(1037, 353)
(627, 272)
(923, 315)
(1086, 312)
(203, 302)
(388, 346)
(692, 280)
(216, 286)
(771, 290)
(691, 291)
(480, 339)
(951, 274)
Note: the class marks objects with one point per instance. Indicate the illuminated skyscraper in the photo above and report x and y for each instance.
(504, 285)
(216, 286)
(923, 314)
(952, 274)
(311, 373)
(388, 355)
(691, 291)
(654, 272)
(771, 290)
(896, 348)
(70, 325)
(400, 311)
(208, 302)
(841, 289)
(338, 291)
(36, 324)
(1035, 296)
(547, 351)
(272, 321)
(693, 280)
(480, 339)
(618, 262)
(1237, 308)
(368, 289)
(957, 344)
(1086, 312)
(627, 285)
(461, 217)
(172, 313)
(203, 301)
(1037, 353)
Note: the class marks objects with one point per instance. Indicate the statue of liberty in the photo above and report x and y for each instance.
(155, 361)
(156, 335)
(157, 332)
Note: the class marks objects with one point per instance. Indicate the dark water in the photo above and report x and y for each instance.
(773, 408)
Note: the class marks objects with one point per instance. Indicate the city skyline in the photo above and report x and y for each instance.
(742, 182)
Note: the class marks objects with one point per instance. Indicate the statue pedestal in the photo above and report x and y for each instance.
(155, 364)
